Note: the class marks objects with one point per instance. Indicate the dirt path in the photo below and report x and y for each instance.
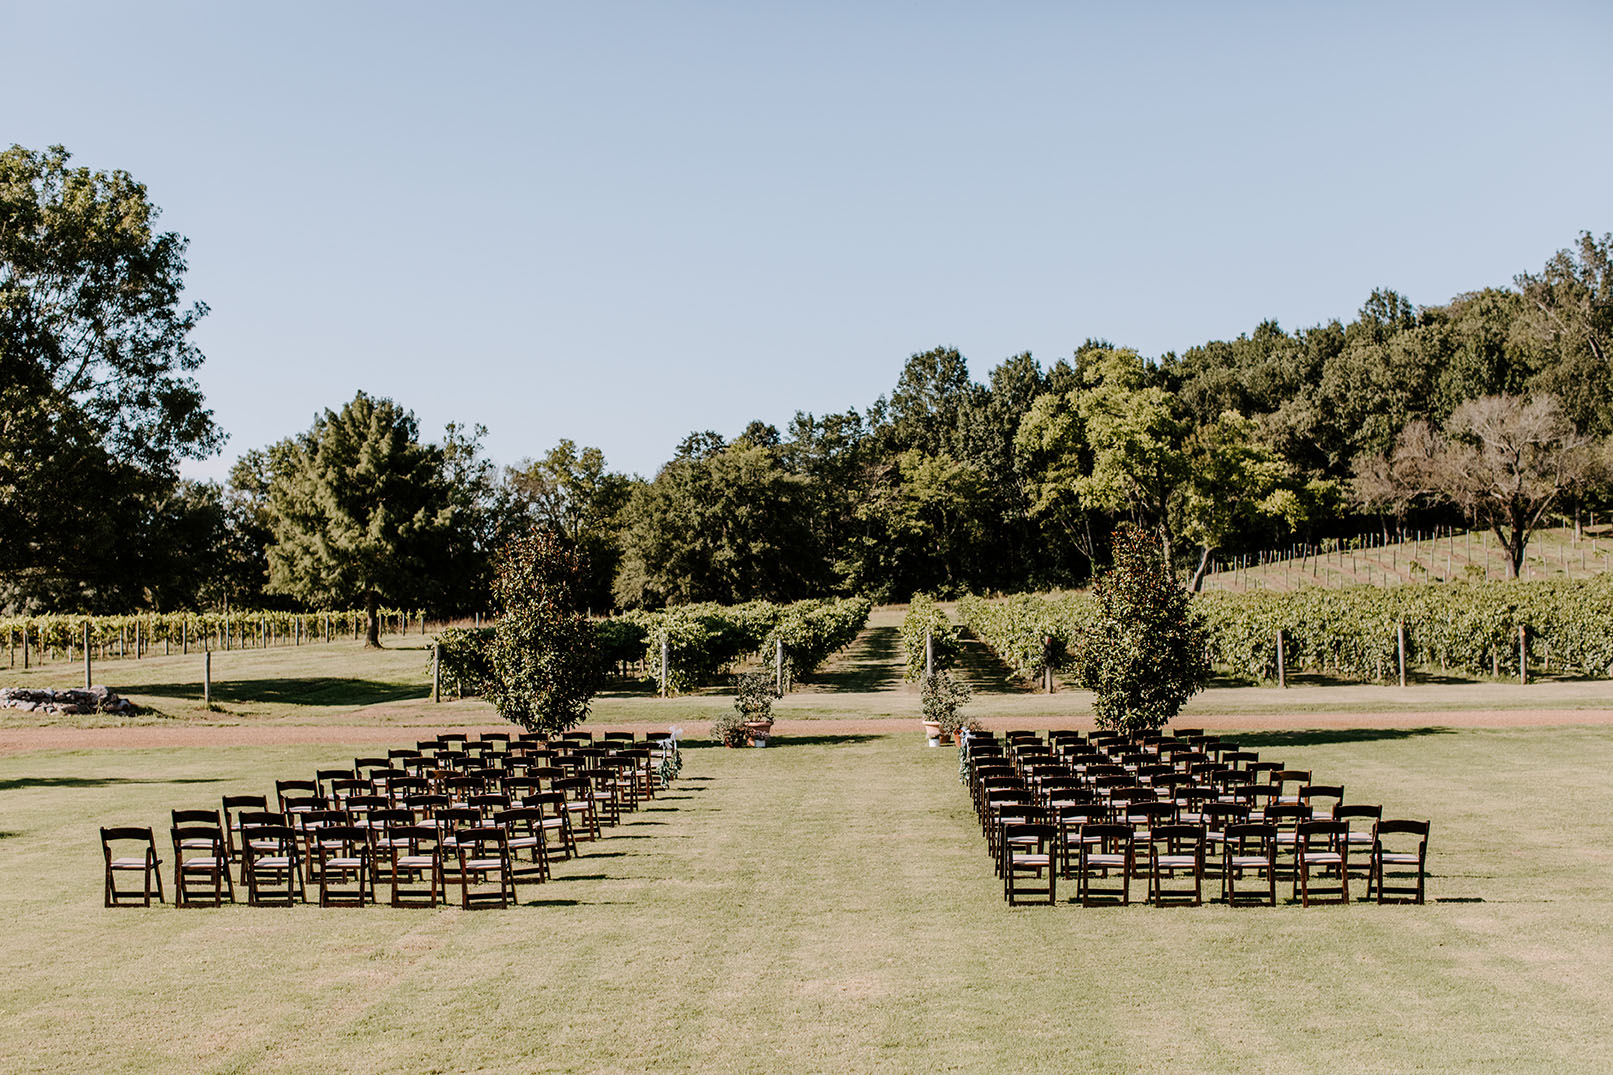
(26, 740)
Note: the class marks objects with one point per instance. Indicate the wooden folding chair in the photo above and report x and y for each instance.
(1391, 853)
(1105, 849)
(1249, 848)
(1323, 850)
(346, 858)
(143, 861)
(201, 863)
(271, 865)
(414, 855)
(1175, 851)
(485, 876)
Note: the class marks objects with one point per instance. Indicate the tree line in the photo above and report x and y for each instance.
(1494, 408)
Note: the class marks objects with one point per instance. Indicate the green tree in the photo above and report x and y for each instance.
(360, 510)
(1144, 652)
(95, 388)
(1238, 482)
(1569, 315)
(720, 522)
(545, 661)
(571, 492)
(1115, 444)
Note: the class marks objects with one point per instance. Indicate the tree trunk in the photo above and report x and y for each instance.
(1204, 565)
(372, 613)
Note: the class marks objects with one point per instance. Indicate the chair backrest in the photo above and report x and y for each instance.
(1403, 826)
(1177, 838)
(1244, 835)
(1323, 799)
(1330, 834)
(196, 817)
(234, 804)
(115, 833)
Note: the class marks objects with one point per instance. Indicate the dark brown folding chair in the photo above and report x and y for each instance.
(346, 865)
(484, 867)
(1175, 851)
(271, 863)
(1249, 849)
(1105, 850)
(1395, 852)
(141, 858)
(1324, 852)
(1030, 850)
(414, 855)
(201, 861)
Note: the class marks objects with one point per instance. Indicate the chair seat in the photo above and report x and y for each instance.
(1032, 861)
(415, 862)
(1395, 858)
(132, 864)
(1177, 862)
(202, 865)
(1106, 860)
(346, 863)
(484, 864)
(523, 842)
(1249, 862)
(1322, 858)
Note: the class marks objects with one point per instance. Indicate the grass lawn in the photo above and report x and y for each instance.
(827, 905)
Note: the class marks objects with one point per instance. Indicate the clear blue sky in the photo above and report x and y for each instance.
(622, 222)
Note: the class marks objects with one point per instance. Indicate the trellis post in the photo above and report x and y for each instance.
(1282, 662)
(929, 653)
(665, 651)
(1400, 648)
(207, 677)
(436, 672)
(87, 673)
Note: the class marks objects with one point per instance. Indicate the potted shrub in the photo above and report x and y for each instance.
(942, 697)
(752, 720)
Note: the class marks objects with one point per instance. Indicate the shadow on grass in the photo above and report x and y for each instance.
(984, 671)
(1458, 899)
(313, 690)
(869, 664)
(96, 781)
(1321, 736)
(579, 877)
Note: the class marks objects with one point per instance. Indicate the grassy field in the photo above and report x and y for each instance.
(1552, 553)
(827, 905)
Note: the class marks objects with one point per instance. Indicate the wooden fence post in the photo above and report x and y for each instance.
(778, 667)
(207, 677)
(25, 647)
(436, 672)
(1400, 646)
(929, 653)
(1282, 662)
(665, 676)
(1523, 654)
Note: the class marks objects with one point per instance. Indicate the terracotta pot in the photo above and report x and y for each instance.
(932, 729)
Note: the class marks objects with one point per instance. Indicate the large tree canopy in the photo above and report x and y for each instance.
(96, 403)
(360, 509)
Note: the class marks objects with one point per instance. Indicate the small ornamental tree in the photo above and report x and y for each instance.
(545, 661)
(1144, 654)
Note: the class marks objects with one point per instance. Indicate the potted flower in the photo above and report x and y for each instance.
(942, 697)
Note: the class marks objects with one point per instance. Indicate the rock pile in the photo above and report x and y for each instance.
(94, 700)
